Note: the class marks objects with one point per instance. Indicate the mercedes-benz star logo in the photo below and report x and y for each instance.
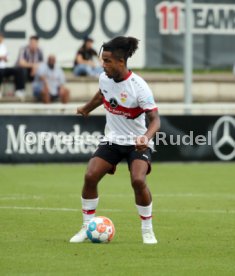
(223, 134)
(113, 102)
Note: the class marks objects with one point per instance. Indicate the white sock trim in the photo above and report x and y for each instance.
(89, 204)
(144, 211)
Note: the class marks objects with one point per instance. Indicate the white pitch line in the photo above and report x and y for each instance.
(183, 195)
(215, 211)
(212, 211)
(172, 195)
(19, 197)
(53, 209)
(39, 208)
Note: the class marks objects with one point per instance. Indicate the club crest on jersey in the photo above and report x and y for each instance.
(113, 102)
(123, 97)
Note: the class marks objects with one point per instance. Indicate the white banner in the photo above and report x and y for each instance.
(62, 24)
(213, 19)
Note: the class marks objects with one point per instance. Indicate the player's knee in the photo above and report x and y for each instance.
(91, 178)
(138, 183)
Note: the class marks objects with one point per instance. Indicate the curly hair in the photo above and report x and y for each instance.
(121, 46)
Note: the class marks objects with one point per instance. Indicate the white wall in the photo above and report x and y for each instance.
(63, 44)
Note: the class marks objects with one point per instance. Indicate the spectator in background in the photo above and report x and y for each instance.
(6, 72)
(49, 82)
(87, 62)
(29, 58)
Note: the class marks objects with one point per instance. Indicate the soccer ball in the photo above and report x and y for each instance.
(100, 229)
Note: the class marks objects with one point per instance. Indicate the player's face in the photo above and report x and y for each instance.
(113, 67)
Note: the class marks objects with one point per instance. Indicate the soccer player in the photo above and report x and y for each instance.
(128, 100)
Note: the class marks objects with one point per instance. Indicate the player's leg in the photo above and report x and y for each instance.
(96, 169)
(138, 170)
(104, 160)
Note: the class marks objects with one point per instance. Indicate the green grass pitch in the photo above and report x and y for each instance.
(194, 221)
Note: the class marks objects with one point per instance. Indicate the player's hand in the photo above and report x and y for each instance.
(81, 111)
(141, 143)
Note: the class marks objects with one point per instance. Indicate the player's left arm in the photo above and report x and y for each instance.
(153, 127)
(154, 123)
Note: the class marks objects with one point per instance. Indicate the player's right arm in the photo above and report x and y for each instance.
(96, 101)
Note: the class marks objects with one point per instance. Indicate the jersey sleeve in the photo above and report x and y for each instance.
(145, 99)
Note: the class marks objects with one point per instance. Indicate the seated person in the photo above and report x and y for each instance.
(49, 82)
(87, 62)
(29, 58)
(6, 72)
